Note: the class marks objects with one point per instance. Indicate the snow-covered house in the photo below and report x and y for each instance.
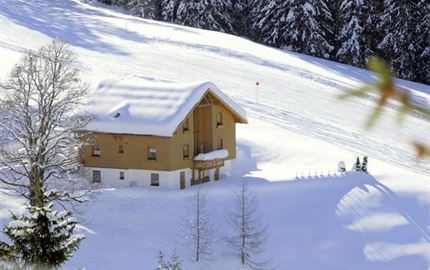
(158, 133)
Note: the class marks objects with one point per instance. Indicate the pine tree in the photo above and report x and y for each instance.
(217, 15)
(162, 265)
(423, 37)
(270, 23)
(325, 19)
(399, 44)
(42, 238)
(357, 165)
(355, 17)
(299, 25)
(249, 234)
(364, 165)
(188, 13)
(170, 10)
(150, 9)
(175, 263)
(206, 14)
(305, 33)
(243, 14)
(121, 3)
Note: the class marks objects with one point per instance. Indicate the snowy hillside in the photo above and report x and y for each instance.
(296, 127)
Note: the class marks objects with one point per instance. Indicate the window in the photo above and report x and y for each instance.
(152, 153)
(96, 150)
(97, 177)
(155, 179)
(220, 143)
(186, 151)
(121, 149)
(121, 175)
(186, 125)
(219, 119)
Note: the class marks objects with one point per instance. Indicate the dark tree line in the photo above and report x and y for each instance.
(347, 31)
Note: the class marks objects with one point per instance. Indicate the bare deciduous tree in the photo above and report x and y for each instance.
(40, 110)
(249, 232)
(197, 224)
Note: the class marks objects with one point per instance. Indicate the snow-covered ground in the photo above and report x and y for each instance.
(296, 128)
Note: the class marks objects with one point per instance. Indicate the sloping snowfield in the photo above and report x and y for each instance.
(298, 132)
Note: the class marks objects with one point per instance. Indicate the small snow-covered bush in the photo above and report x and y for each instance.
(341, 167)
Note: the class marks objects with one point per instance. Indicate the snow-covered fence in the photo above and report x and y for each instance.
(314, 174)
(341, 170)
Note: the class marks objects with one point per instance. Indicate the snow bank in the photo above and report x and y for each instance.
(218, 154)
(148, 107)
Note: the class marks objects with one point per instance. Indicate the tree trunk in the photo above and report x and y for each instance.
(36, 187)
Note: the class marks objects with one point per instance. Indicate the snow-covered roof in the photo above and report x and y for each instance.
(217, 154)
(149, 107)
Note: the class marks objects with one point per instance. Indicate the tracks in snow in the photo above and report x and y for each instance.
(344, 138)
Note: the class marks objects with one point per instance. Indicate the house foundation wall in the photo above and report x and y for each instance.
(132, 177)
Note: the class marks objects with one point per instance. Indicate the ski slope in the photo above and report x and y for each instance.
(297, 126)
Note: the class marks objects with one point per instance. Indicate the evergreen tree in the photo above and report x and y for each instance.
(188, 12)
(325, 19)
(121, 3)
(364, 165)
(150, 9)
(162, 265)
(398, 30)
(299, 25)
(206, 14)
(357, 165)
(170, 10)
(305, 33)
(175, 263)
(41, 237)
(400, 44)
(423, 37)
(270, 22)
(216, 15)
(243, 14)
(354, 17)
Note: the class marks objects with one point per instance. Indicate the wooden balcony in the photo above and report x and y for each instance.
(208, 164)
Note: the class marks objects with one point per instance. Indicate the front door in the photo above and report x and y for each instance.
(182, 180)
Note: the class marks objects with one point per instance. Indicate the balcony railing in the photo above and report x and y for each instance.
(208, 164)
